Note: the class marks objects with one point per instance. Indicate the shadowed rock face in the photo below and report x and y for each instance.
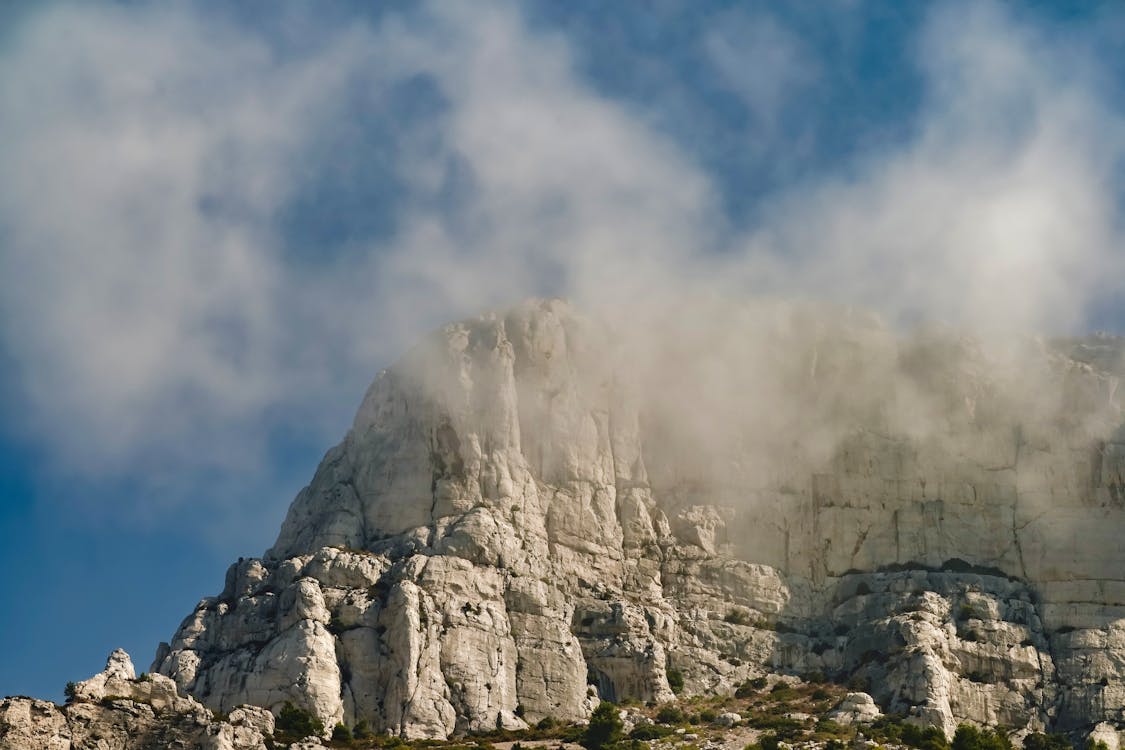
(532, 511)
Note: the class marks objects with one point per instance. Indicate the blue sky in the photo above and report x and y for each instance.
(217, 223)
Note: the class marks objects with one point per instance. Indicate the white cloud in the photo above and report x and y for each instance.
(764, 63)
(1001, 214)
(146, 295)
(146, 153)
(156, 317)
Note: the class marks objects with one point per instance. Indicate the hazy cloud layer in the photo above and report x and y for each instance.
(159, 313)
(1002, 214)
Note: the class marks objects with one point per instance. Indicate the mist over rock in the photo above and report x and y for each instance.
(535, 510)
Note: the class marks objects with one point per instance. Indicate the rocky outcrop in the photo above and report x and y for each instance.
(945, 646)
(114, 710)
(856, 708)
(532, 513)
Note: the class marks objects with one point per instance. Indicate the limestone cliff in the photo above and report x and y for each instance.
(531, 512)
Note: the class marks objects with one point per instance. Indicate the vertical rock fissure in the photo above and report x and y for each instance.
(1016, 503)
(898, 539)
(609, 425)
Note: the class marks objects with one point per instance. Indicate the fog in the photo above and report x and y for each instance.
(158, 314)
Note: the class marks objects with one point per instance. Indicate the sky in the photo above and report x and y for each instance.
(219, 221)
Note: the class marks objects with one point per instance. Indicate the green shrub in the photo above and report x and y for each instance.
(647, 732)
(781, 726)
(1041, 741)
(827, 726)
(604, 728)
(572, 733)
(676, 681)
(341, 733)
(670, 714)
(296, 722)
(546, 723)
(782, 692)
(924, 738)
(627, 745)
(750, 687)
(362, 730)
(968, 737)
(70, 691)
(892, 729)
(886, 730)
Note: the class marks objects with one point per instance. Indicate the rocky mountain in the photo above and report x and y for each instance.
(535, 511)
(520, 522)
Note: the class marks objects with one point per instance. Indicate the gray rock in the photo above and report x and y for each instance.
(856, 708)
(1104, 732)
(114, 709)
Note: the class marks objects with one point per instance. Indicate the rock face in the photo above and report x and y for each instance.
(530, 513)
(115, 710)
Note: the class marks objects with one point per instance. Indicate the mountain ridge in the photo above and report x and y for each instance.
(507, 459)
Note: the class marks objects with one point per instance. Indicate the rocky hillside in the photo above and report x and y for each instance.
(534, 512)
(116, 709)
